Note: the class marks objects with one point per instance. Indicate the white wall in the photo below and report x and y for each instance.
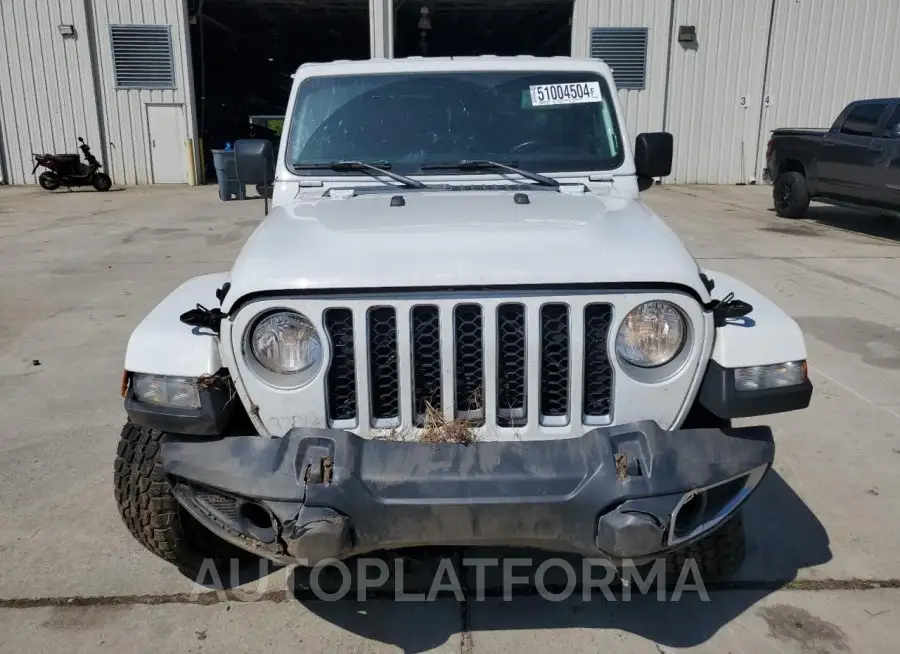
(643, 109)
(715, 90)
(47, 94)
(825, 54)
(809, 57)
(125, 110)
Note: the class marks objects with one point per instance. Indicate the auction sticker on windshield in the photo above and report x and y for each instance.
(571, 93)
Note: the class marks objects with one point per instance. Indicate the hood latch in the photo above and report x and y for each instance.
(727, 308)
(203, 317)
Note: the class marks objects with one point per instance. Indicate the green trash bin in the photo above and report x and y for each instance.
(226, 174)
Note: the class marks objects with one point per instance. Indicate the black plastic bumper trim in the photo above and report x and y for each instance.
(719, 396)
(335, 494)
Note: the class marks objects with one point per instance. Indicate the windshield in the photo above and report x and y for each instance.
(543, 121)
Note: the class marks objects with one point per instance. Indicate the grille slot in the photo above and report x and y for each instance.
(469, 353)
(597, 369)
(426, 361)
(384, 375)
(554, 364)
(341, 380)
(511, 364)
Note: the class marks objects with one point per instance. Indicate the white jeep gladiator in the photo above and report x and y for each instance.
(458, 325)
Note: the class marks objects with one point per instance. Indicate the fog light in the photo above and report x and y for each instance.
(177, 392)
(778, 375)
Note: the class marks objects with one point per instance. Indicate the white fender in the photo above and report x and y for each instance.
(163, 345)
(766, 335)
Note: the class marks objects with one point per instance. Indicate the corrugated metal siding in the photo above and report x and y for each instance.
(715, 135)
(643, 109)
(825, 54)
(47, 96)
(125, 110)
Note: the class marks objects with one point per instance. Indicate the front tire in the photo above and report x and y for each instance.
(151, 512)
(718, 556)
(791, 195)
(102, 182)
(49, 181)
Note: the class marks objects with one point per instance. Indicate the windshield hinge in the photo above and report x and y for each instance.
(727, 308)
(601, 178)
(573, 189)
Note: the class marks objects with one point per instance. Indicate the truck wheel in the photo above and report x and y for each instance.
(49, 181)
(791, 195)
(150, 510)
(718, 555)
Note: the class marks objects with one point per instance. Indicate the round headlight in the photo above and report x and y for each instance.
(651, 335)
(286, 343)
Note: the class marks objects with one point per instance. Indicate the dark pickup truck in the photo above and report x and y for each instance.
(855, 163)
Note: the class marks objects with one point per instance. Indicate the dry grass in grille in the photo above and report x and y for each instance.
(437, 429)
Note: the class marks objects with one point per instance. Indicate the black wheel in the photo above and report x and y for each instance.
(102, 182)
(791, 195)
(49, 181)
(150, 510)
(718, 555)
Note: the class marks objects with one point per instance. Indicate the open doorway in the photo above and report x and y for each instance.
(245, 51)
(441, 28)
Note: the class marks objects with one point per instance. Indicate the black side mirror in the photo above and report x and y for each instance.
(652, 157)
(254, 163)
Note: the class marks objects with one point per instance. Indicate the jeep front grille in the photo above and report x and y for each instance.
(453, 372)
(426, 355)
(384, 376)
(341, 373)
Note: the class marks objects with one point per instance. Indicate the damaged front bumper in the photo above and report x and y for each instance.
(624, 492)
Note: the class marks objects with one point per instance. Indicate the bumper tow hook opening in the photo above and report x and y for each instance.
(257, 521)
(320, 473)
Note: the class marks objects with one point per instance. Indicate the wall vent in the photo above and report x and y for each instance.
(624, 49)
(142, 56)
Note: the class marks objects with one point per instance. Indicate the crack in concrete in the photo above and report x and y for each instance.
(211, 597)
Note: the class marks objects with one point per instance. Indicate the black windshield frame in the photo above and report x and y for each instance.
(603, 117)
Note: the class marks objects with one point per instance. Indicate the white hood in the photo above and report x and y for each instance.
(460, 238)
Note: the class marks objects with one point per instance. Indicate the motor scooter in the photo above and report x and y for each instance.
(67, 170)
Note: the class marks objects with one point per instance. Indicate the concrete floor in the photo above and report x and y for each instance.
(81, 269)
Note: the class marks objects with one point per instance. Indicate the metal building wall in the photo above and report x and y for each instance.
(715, 90)
(643, 109)
(825, 54)
(757, 65)
(125, 110)
(47, 95)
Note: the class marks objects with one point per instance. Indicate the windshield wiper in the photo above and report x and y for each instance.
(370, 169)
(467, 164)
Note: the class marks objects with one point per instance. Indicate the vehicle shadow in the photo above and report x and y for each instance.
(84, 189)
(784, 536)
(867, 223)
